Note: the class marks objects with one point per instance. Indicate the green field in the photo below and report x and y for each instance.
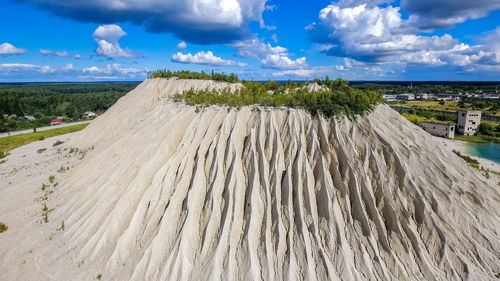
(477, 138)
(9, 143)
(417, 119)
(486, 108)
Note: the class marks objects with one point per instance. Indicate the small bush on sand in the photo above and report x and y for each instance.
(58, 143)
(3, 154)
(3, 227)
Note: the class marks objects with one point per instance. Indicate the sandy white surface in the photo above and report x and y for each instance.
(165, 191)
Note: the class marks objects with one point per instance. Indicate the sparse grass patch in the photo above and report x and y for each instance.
(417, 119)
(99, 276)
(45, 213)
(58, 143)
(62, 169)
(479, 138)
(41, 150)
(3, 227)
(62, 226)
(9, 143)
(475, 164)
(336, 98)
(472, 162)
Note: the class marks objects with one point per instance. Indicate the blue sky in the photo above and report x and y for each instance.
(98, 40)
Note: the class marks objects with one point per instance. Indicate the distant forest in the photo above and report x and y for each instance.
(46, 101)
(431, 87)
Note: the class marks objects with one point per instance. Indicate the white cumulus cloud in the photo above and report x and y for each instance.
(7, 69)
(309, 72)
(198, 21)
(34, 72)
(432, 14)
(270, 57)
(113, 70)
(9, 49)
(372, 35)
(182, 45)
(204, 58)
(64, 54)
(107, 38)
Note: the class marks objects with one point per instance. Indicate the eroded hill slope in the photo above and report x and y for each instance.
(168, 191)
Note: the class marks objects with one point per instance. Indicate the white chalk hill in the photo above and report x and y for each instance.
(175, 192)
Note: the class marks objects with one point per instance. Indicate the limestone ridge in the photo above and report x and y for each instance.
(174, 193)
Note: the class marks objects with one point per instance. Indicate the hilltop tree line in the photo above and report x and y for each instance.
(46, 101)
(338, 98)
(184, 74)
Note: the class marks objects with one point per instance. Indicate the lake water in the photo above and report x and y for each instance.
(489, 150)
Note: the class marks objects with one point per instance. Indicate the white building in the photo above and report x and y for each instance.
(89, 114)
(28, 118)
(406, 96)
(439, 129)
(389, 98)
(423, 96)
(468, 122)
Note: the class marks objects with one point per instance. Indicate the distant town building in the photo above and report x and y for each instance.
(487, 97)
(491, 96)
(406, 96)
(422, 96)
(89, 114)
(449, 96)
(439, 129)
(389, 98)
(28, 118)
(55, 121)
(469, 122)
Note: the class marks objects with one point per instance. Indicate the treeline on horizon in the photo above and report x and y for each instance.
(46, 101)
(336, 98)
(426, 87)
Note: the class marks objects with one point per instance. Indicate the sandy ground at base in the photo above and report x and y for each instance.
(462, 147)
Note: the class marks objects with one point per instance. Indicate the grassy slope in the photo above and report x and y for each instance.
(9, 143)
(417, 119)
(477, 138)
(447, 106)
